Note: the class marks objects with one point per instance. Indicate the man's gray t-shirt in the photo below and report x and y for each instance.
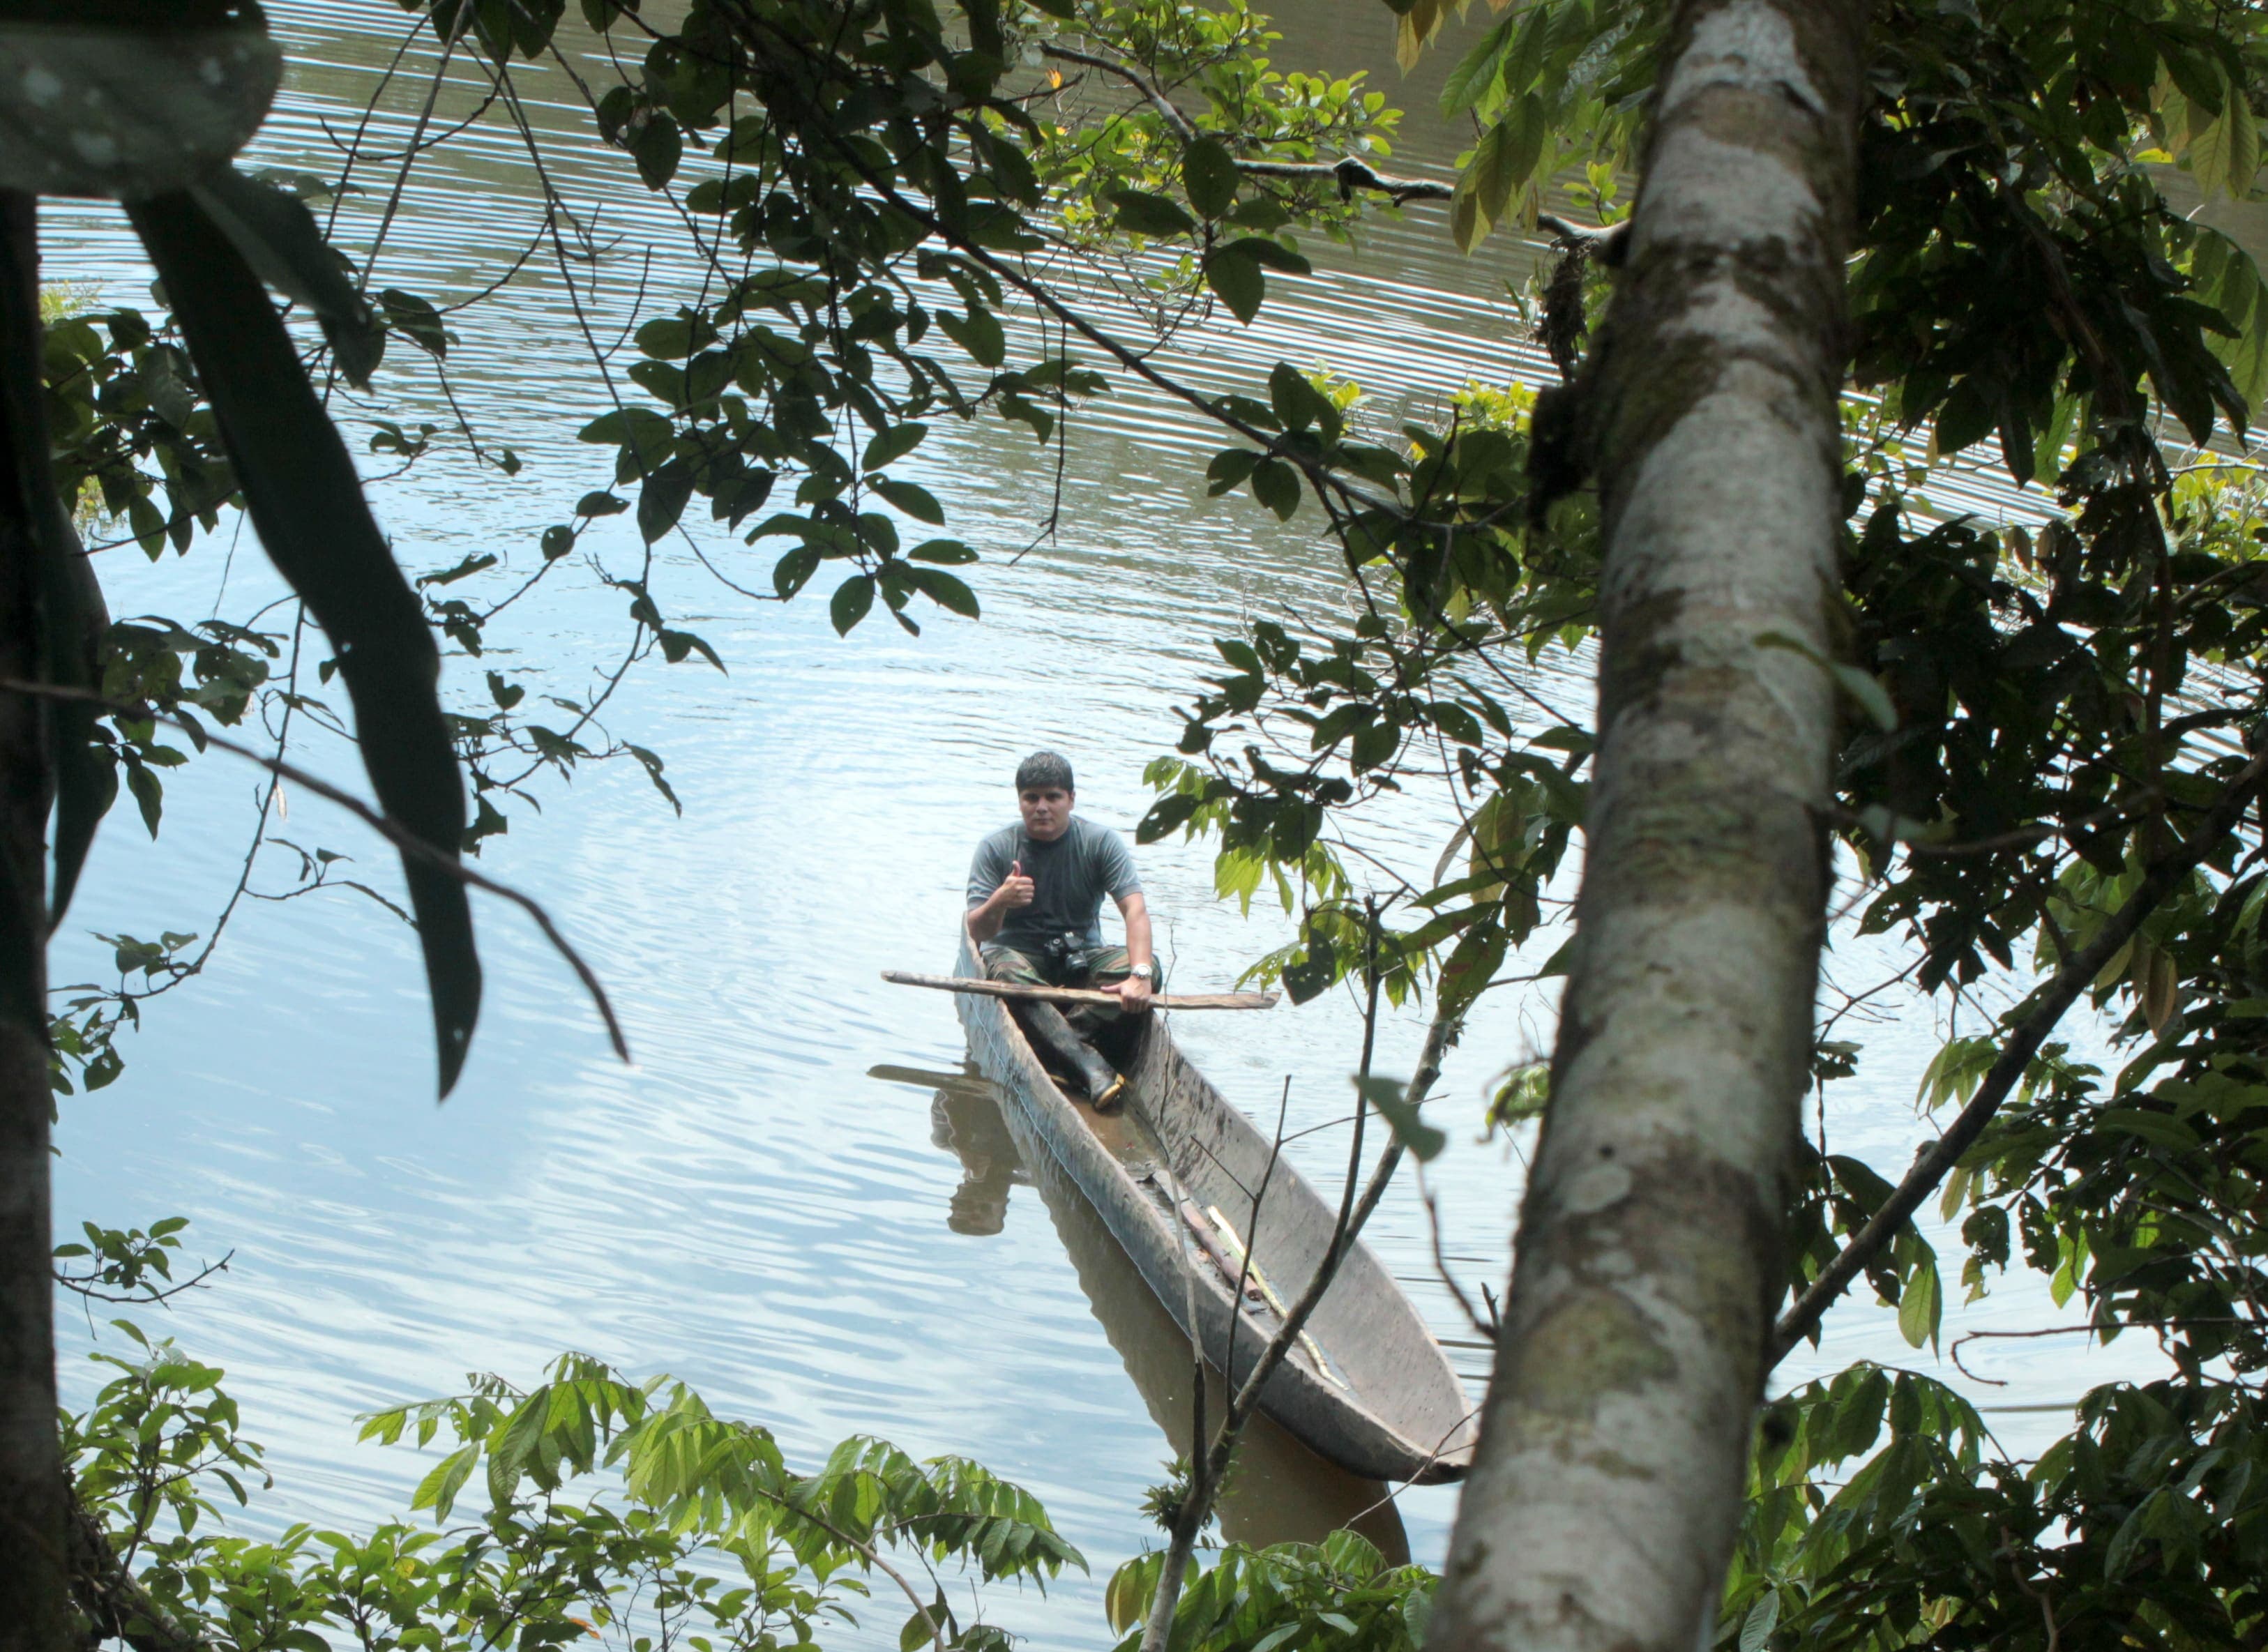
(1069, 876)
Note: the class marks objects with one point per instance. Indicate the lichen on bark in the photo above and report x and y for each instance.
(1606, 1491)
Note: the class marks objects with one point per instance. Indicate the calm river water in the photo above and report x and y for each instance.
(794, 1200)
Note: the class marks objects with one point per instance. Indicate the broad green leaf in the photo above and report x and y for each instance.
(2224, 156)
(661, 500)
(1872, 698)
(891, 446)
(416, 319)
(979, 334)
(1407, 1122)
(438, 1491)
(1144, 214)
(1757, 1628)
(910, 497)
(1920, 1305)
(1229, 468)
(945, 591)
(1269, 253)
(1235, 276)
(278, 236)
(948, 553)
(1480, 69)
(1276, 484)
(1208, 173)
(851, 600)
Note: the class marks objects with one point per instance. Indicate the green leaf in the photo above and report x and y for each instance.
(656, 146)
(910, 497)
(679, 645)
(1276, 485)
(1229, 468)
(1126, 1598)
(306, 504)
(950, 553)
(979, 334)
(892, 444)
(1406, 1121)
(2224, 156)
(793, 571)
(1872, 698)
(1141, 213)
(149, 794)
(277, 236)
(1210, 176)
(918, 1632)
(851, 600)
(1921, 1304)
(1479, 70)
(945, 589)
(416, 319)
(1472, 966)
(1299, 404)
(2157, 1128)
(661, 501)
(1762, 1619)
(438, 1491)
(1269, 252)
(162, 124)
(1236, 277)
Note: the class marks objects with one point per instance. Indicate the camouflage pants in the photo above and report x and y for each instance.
(1083, 967)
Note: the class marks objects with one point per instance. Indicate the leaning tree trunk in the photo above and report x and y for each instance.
(1606, 1493)
(35, 1595)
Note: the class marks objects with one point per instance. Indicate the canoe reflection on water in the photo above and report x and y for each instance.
(1280, 1492)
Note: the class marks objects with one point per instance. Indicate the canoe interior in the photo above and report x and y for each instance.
(1384, 1400)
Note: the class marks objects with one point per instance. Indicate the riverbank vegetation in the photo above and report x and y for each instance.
(1814, 265)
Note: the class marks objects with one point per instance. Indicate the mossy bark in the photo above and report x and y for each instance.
(35, 1610)
(1606, 1493)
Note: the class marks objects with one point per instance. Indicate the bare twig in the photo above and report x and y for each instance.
(1354, 1212)
(2048, 1003)
(1183, 128)
(84, 1284)
(392, 830)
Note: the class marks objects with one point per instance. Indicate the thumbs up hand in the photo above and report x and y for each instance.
(1017, 890)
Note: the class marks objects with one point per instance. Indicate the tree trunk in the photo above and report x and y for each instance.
(1606, 1493)
(35, 1590)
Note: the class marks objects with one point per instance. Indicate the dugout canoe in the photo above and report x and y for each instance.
(1369, 1389)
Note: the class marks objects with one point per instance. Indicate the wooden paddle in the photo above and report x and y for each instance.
(1079, 995)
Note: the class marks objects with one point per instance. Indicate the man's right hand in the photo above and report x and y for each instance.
(1016, 891)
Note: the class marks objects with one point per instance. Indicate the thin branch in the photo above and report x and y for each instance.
(84, 1285)
(1183, 128)
(2048, 1003)
(395, 833)
(1348, 173)
(1354, 1212)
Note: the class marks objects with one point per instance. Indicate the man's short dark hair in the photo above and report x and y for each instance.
(1042, 771)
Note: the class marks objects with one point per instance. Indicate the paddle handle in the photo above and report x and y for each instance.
(1079, 995)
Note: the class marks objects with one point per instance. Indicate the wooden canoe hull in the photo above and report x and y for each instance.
(1385, 1402)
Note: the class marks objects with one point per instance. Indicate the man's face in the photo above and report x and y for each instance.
(1047, 811)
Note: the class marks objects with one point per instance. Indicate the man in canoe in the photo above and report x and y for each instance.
(1035, 893)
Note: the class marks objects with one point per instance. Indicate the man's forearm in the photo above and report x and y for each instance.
(985, 921)
(1139, 955)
